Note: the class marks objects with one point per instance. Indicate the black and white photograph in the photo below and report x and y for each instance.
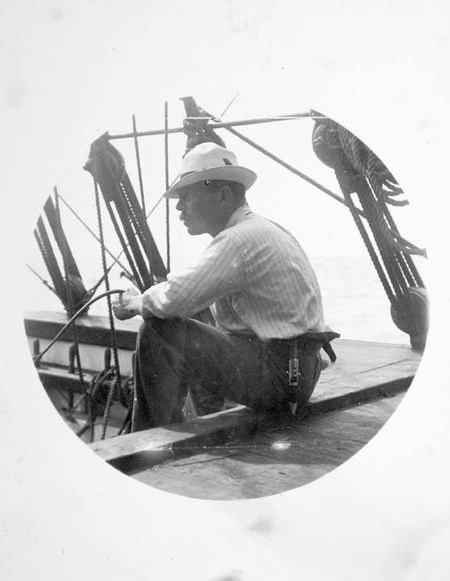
(226, 292)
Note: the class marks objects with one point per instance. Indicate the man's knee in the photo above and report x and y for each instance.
(155, 329)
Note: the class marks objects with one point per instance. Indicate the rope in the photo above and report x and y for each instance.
(70, 301)
(124, 207)
(135, 234)
(287, 166)
(335, 147)
(360, 171)
(166, 173)
(373, 200)
(138, 163)
(369, 246)
(155, 206)
(39, 356)
(115, 385)
(278, 159)
(115, 259)
(377, 224)
(41, 278)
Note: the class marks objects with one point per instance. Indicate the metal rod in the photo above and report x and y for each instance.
(42, 279)
(166, 164)
(229, 126)
(229, 105)
(93, 234)
(218, 125)
(138, 162)
(290, 168)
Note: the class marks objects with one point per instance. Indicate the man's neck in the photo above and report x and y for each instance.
(223, 224)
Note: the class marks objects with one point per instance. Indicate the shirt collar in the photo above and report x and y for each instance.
(238, 215)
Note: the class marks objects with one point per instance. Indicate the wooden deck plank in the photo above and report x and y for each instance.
(338, 392)
(364, 371)
(255, 467)
(151, 446)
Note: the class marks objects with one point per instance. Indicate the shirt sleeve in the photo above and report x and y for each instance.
(216, 274)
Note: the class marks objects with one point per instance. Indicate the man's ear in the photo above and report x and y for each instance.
(226, 194)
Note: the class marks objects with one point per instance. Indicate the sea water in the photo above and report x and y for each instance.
(355, 303)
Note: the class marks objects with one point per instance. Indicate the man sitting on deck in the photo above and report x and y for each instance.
(263, 293)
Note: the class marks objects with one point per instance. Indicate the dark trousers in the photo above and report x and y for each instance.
(175, 354)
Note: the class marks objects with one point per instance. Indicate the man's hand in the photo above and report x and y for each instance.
(126, 305)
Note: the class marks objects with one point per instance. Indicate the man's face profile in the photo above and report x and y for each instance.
(199, 208)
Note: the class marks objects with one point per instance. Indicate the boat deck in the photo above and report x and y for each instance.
(248, 455)
(280, 458)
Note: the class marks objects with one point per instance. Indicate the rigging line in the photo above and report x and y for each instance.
(300, 174)
(229, 105)
(69, 291)
(102, 278)
(42, 279)
(60, 237)
(387, 285)
(63, 250)
(146, 217)
(125, 245)
(49, 257)
(116, 386)
(138, 163)
(253, 144)
(115, 259)
(290, 167)
(166, 168)
(161, 198)
(80, 311)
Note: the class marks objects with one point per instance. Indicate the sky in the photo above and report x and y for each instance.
(72, 70)
(78, 69)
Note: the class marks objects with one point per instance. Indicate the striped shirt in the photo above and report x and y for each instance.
(254, 275)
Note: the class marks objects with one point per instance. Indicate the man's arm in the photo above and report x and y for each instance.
(216, 274)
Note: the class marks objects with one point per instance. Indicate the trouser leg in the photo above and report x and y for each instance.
(171, 353)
